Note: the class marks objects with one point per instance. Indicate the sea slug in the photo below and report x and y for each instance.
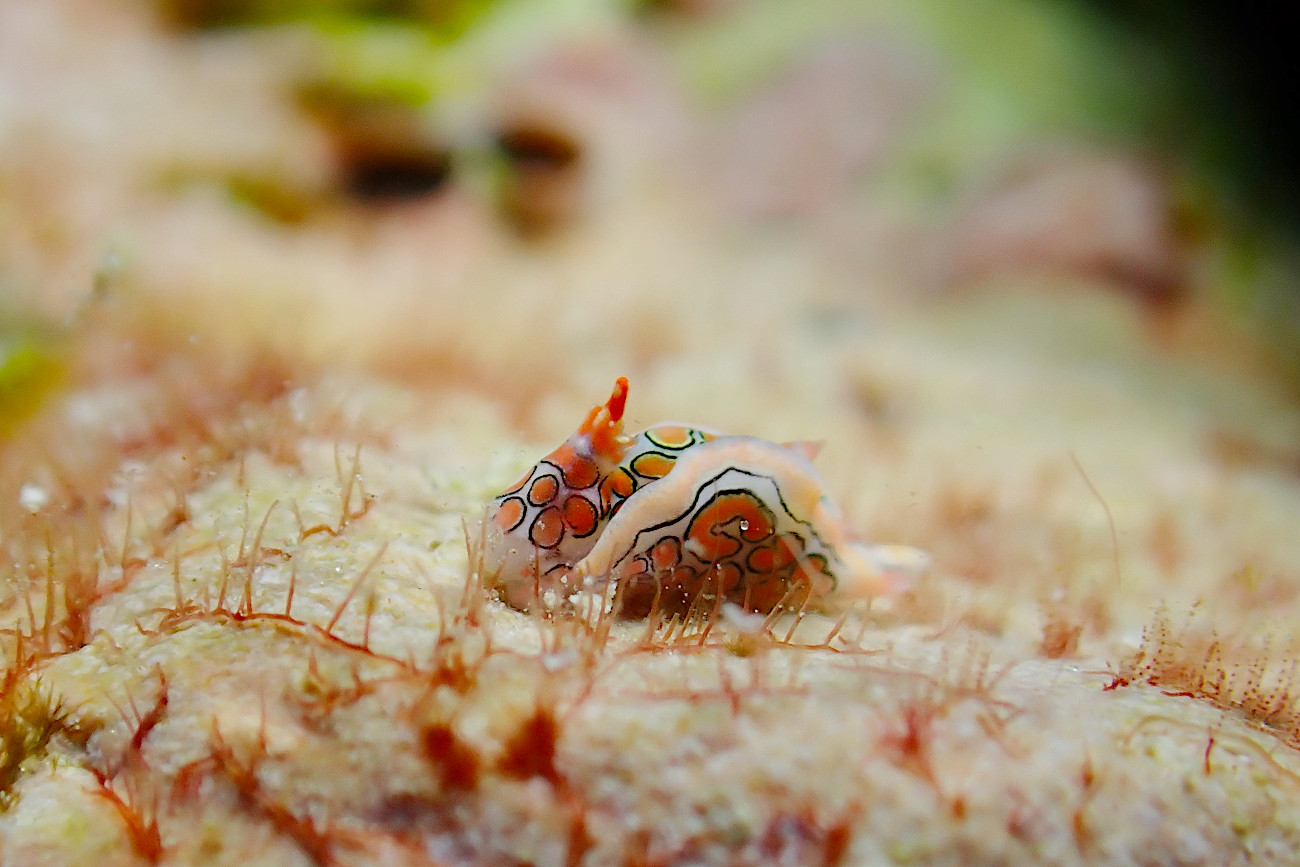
(676, 511)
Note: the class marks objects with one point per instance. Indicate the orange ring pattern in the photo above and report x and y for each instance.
(740, 544)
(729, 549)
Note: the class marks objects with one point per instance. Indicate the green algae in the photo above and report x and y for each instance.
(30, 369)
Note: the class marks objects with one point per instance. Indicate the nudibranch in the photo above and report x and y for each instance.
(674, 512)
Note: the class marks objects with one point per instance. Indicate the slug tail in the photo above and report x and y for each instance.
(883, 570)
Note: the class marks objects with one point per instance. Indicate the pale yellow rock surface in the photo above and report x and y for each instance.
(242, 627)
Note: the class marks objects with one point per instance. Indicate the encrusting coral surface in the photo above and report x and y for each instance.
(239, 618)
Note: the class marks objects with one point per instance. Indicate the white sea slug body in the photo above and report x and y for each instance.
(675, 513)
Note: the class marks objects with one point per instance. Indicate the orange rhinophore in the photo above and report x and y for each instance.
(676, 512)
